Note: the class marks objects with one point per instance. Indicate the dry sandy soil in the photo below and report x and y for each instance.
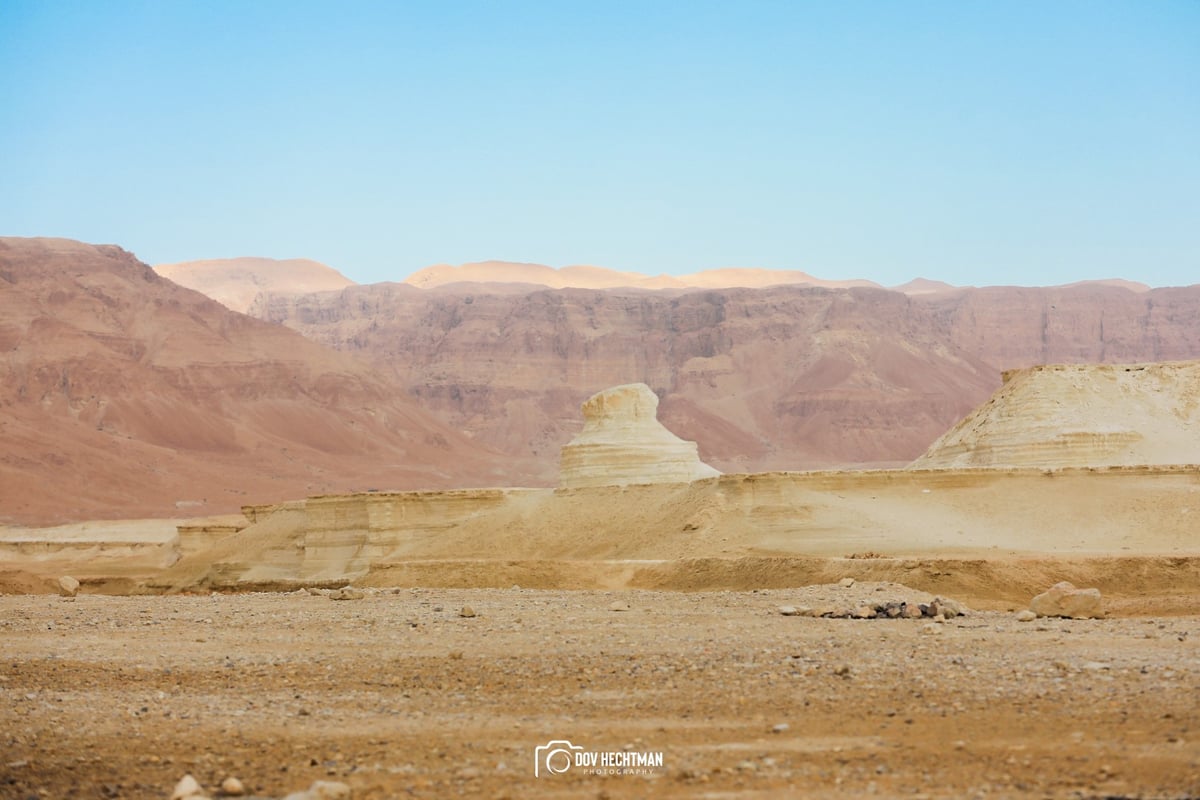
(398, 695)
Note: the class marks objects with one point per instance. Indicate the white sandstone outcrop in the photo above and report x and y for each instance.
(1080, 415)
(622, 442)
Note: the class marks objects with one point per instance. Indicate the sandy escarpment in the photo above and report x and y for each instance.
(739, 530)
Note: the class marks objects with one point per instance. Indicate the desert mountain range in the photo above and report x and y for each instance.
(125, 394)
(786, 377)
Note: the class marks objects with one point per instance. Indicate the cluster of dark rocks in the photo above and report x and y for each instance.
(937, 608)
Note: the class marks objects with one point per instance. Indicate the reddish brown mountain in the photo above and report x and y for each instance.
(123, 394)
(786, 377)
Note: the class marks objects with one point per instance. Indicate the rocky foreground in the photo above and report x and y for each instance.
(441, 693)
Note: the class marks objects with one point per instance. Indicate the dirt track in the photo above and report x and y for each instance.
(397, 695)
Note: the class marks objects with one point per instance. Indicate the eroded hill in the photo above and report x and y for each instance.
(123, 394)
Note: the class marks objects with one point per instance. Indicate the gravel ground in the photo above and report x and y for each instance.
(399, 695)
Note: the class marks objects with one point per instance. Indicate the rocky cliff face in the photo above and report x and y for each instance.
(783, 378)
(123, 394)
(1010, 327)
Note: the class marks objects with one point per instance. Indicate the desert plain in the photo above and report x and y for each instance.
(675, 622)
(761, 633)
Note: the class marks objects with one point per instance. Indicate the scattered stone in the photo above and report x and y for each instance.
(188, 787)
(467, 612)
(780, 728)
(323, 790)
(863, 612)
(846, 583)
(843, 671)
(68, 586)
(931, 628)
(347, 593)
(1026, 616)
(789, 611)
(1064, 600)
(232, 787)
(619, 605)
(911, 611)
(945, 607)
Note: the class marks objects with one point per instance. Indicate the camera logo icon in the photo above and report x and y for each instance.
(554, 757)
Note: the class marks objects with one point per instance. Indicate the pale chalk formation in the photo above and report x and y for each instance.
(1079, 415)
(1064, 600)
(622, 443)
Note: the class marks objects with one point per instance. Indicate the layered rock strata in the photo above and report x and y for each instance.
(1087, 415)
(622, 442)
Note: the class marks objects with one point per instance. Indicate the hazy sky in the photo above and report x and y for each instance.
(1034, 142)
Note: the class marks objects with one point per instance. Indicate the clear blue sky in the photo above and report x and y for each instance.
(974, 142)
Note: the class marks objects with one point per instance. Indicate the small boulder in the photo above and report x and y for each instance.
(188, 787)
(467, 612)
(619, 605)
(944, 606)
(1064, 600)
(68, 586)
(347, 593)
(846, 583)
(1026, 616)
(232, 787)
